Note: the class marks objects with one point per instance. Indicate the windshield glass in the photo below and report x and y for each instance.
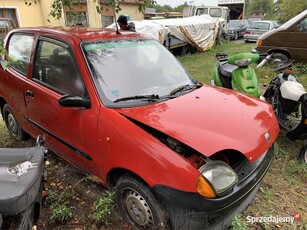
(215, 12)
(127, 68)
(234, 24)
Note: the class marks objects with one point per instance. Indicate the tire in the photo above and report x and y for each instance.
(12, 125)
(303, 154)
(236, 36)
(278, 58)
(137, 204)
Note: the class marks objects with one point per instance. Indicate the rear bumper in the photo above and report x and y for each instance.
(192, 211)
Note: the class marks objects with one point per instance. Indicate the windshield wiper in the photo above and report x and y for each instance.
(152, 97)
(185, 88)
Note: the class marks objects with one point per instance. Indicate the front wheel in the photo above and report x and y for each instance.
(138, 205)
(303, 154)
(12, 125)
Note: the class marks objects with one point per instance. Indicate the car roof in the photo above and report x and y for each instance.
(82, 33)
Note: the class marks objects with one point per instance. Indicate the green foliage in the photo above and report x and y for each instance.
(61, 212)
(238, 224)
(290, 8)
(104, 206)
(262, 6)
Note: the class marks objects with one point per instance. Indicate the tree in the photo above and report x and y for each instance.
(266, 7)
(290, 8)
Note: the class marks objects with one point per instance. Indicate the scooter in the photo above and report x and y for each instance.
(235, 73)
(289, 101)
(22, 178)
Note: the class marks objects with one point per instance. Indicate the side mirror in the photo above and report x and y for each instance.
(74, 101)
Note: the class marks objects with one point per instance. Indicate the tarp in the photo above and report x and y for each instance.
(199, 31)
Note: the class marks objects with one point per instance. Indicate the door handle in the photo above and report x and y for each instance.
(29, 93)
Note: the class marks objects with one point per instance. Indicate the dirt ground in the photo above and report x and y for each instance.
(81, 197)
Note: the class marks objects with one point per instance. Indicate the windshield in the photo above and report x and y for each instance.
(215, 12)
(129, 68)
(234, 23)
(260, 26)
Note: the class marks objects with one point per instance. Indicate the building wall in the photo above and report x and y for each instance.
(132, 10)
(26, 16)
(38, 14)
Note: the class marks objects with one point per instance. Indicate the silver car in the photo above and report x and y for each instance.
(257, 28)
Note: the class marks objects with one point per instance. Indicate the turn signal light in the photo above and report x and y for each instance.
(259, 43)
(204, 188)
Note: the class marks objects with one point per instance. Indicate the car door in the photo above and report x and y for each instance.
(15, 79)
(296, 40)
(70, 131)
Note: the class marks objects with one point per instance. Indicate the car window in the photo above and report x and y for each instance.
(20, 46)
(137, 67)
(54, 66)
(302, 26)
(215, 12)
(260, 26)
(202, 11)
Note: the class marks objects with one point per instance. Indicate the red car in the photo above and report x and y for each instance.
(181, 154)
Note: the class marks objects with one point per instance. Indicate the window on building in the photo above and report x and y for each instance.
(106, 21)
(76, 19)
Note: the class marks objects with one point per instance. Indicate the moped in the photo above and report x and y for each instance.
(288, 98)
(22, 178)
(235, 73)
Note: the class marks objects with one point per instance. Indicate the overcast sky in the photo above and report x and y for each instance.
(174, 3)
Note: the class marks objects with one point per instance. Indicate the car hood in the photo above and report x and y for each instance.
(211, 119)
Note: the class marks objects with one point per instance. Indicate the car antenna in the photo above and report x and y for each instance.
(117, 29)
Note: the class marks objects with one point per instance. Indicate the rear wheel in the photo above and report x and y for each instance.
(138, 205)
(303, 154)
(12, 125)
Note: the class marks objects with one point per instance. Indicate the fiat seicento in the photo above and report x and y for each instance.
(180, 154)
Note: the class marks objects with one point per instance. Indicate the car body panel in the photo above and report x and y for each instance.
(257, 28)
(290, 39)
(237, 27)
(204, 125)
(121, 138)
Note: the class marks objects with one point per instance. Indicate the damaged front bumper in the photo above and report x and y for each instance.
(192, 211)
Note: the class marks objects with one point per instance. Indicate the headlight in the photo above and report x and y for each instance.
(243, 62)
(216, 177)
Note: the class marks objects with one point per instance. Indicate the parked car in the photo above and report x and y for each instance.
(6, 24)
(121, 107)
(288, 41)
(236, 29)
(257, 28)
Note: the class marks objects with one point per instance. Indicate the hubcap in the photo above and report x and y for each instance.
(138, 209)
(12, 123)
(305, 155)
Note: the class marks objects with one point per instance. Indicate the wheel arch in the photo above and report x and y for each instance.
(114, 175)
(2, 103)
(282, 51)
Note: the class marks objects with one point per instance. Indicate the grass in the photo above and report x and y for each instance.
(283, 192)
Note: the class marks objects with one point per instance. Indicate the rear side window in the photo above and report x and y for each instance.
(20, 47)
